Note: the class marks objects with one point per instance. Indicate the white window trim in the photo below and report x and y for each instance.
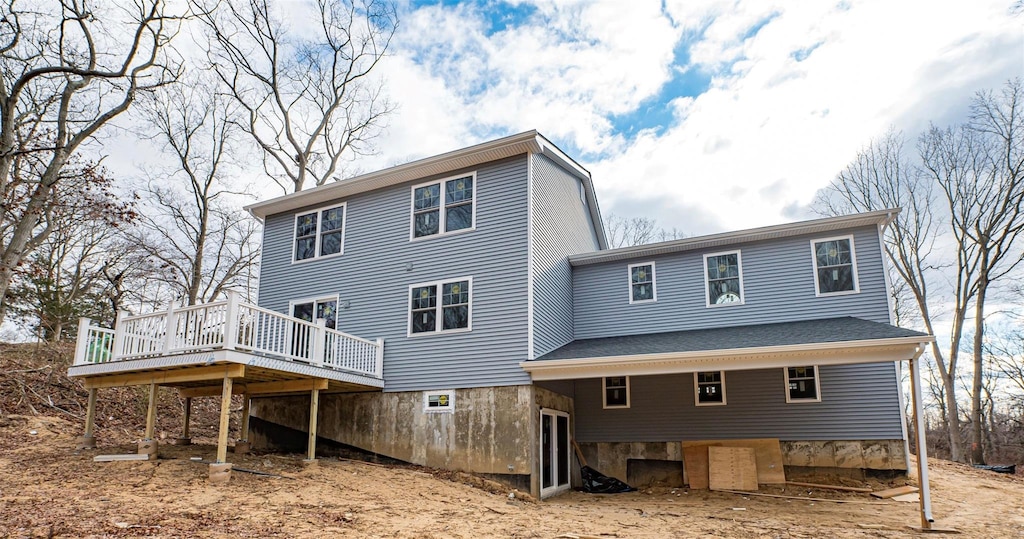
(604, 394)
(696, 391)
(441, 213)
(654, 282)
(440, 304)
(739, 265)
(450, 409)
(314, 301)
(319, 222)
(817, 384)
(853, 259)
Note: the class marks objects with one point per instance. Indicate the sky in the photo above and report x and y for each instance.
(703, 115)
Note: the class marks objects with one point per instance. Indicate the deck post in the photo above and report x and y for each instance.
(220, 471)
(82, 342)
(171, 330)
(231, 321)
(319, 342)
(242, 444)
(186, 437)
(380, 358)
(922, 444)
(118, 350)
(314, 411)
(88, 440)
(148, 445)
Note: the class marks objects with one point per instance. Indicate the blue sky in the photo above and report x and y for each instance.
(705, 115)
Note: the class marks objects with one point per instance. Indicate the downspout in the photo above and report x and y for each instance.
(922, 443)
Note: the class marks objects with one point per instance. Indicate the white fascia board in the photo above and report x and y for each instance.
(816, 226)
(840, 353)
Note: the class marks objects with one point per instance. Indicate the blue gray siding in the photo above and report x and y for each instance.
(778, 286)
(373, 276)
(858, 402)
(561, 227)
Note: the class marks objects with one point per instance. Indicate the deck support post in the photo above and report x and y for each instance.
(88, 440)
(220, 471)
(186, 435)
(922, 443)
(314, 411)
(242, 444)
(148, 445)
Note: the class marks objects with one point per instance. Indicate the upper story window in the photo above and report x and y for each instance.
(440, 306)
(835, 266)
(641, 283)
(319, 233)
(709, 388)
(802, 384)
(616, 391)
(723, 278)
(443, 206)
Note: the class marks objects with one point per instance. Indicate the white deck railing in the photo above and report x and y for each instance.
(228, 325)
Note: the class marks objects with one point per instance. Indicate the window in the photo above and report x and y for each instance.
(443, 206)
(616, 392)
(835, 267)
(325, 308)
(709, 388)
(452, 313)
(724, 278)
(802, 384)
(641, 283)
(439, 402)
(320, 233)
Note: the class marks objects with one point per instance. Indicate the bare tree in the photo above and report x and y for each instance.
(67, 71)
(629, 231)
(307, 98)
(979, 167)
(196, 233)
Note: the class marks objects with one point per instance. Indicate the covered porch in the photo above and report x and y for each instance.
(222, 348)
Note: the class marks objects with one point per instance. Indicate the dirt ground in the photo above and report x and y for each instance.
(47, 489)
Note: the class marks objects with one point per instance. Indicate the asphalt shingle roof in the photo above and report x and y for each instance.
(827, 330)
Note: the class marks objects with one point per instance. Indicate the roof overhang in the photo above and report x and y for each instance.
(767, 357)
(817, 226)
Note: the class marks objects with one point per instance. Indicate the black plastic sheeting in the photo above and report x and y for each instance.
(597, 483)
(1010, 469)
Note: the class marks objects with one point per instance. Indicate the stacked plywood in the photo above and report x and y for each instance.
(757, 461)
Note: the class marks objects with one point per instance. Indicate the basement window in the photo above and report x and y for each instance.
(709, 388)
(439, 402)
(802, 384)
(616, 391)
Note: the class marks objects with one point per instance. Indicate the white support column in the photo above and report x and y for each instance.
(319, 340)
(380, 358)
(231, 321)
(922, 445)
(118, 350)
(171, 333)
(82, 342)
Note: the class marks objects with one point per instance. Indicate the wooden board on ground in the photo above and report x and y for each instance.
(112, 458)
(889, 493)
(912, 497)
(732, 468)
(767, 453)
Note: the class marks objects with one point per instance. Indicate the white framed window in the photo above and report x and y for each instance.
(441, 306)
(439, 402)
(835, 266)
(443, 207)
(802, 384)
(319, 233)
(310, 309)
(709, 388)
(723, 279)
(616, 391)
(641, 283)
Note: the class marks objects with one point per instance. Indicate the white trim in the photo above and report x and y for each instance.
(817, 384)
(853, 268)
(450, 409)
(739, 269)
(654, 284)
(314, 300)
(903, 412)
(555, 488)
(442, 206)
(439, 308)
(316, 235)
(888, 285)
(531, 350)
(696, 390)
(604, 394)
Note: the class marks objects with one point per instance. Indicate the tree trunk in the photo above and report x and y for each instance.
(977, 422)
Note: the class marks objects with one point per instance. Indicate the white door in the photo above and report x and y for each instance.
(554, 452)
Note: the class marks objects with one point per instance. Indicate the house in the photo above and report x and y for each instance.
(495, 325)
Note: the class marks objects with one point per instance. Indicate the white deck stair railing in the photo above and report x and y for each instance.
(228, 325)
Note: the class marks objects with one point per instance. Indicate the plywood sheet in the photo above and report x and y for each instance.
(767, 453)
(732, 468)
(892, 492)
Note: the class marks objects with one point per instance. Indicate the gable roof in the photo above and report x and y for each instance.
(522, 143)
(815, 226)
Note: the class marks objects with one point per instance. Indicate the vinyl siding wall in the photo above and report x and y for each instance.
(858, 402)
(372, 276)
(561, 227)
(778, 286)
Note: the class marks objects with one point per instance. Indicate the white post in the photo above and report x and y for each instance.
(379, 367)
(231, 321)
(922, 446)
(82, 344)
(171, 330)
(118, 336)
(319, 341)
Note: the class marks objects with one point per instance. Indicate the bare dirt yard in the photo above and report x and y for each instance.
(48, 489)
